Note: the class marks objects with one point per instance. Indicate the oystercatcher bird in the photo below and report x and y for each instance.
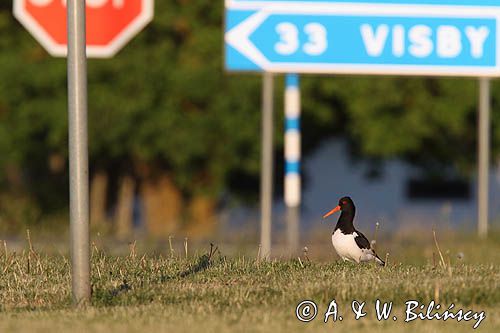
(349, 243)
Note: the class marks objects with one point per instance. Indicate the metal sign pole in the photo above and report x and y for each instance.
(292, 182)
(78, 152)
(266, 182)
(483, 155)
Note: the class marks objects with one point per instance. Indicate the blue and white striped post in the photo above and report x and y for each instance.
(292, 159)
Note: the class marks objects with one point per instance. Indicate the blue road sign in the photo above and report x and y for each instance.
(420, 37)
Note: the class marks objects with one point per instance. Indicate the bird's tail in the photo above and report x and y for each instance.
(379, 261)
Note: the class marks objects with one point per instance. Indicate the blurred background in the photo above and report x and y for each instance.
(174, 140)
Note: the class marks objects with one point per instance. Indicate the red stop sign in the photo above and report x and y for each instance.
(110, 23)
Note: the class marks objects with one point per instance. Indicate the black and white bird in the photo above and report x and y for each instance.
(349, 243)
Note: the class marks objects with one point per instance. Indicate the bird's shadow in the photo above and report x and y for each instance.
(107, 296)
(204, 262)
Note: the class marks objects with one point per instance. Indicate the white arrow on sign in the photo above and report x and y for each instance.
(239, 38)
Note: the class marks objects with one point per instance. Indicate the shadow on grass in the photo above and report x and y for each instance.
(203, 263)
(109, 296)
(106, 297)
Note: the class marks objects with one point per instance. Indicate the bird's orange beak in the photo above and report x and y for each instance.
(336, 209)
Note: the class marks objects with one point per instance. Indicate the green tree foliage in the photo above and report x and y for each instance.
(165, 101)
(430, 122)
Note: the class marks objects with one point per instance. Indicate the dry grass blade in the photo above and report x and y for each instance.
(450, 272)
(8, 264)
(28, 238)
(443, 263)
(258, 253)
(306, 250)
(437, 288)
(171, 247)
(373, 243)
(300, 262)
(132, 249)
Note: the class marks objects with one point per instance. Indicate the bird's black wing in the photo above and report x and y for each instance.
(362, 241)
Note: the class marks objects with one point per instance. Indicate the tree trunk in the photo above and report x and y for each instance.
(162, 205)
(202, 215)
(98, 195)
(125, 208)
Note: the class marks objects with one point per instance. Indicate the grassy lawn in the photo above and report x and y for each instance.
(218, 293)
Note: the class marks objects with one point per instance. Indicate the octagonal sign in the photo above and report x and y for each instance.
(110, 23)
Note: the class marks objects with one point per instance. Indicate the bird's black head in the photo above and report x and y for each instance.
(345, 205)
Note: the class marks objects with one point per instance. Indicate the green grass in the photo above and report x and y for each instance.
(148, 293)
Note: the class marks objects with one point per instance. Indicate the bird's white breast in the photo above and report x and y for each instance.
(347, 249)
